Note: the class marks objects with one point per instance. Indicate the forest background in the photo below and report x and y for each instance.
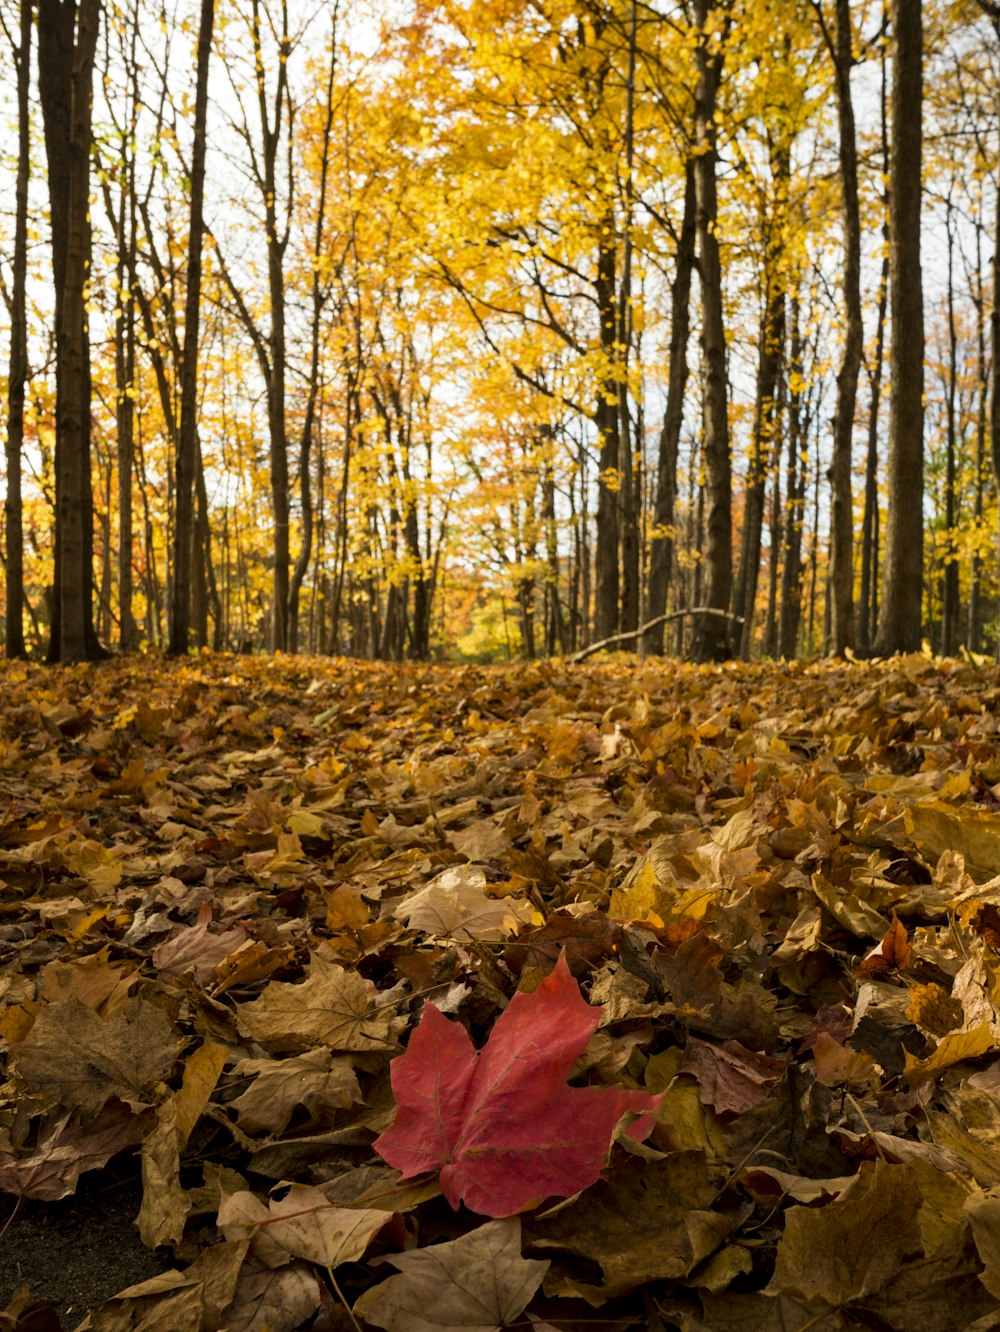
(500, 328)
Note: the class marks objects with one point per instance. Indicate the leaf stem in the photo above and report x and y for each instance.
(340, 1296)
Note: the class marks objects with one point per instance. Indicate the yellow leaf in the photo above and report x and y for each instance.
(954, 1048)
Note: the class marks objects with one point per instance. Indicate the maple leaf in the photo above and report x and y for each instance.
(195, 947)
(332, 1007)
(81, 1060)
(502, 1126)
(303, 1224)
(454, 906)
(478, 1283)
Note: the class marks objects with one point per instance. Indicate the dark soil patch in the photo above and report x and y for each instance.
(80, 1251)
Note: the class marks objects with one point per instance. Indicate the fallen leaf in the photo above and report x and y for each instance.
(732, 1079)
(332, 1007)
(838, 1064)
(644, 1221)
(197, 948)
(454, 906)
(51, 1170)
(954, 1048)
(501, 1125)
(316, 1081)
(854, 1246)
(273, 1300)
(302, 1224)
(586, 940)
(78, 1059)
(188, 1301)
(477, 1283)
(165, 1205)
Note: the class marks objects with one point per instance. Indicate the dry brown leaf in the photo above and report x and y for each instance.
(477, 1283)
(77, 1059)
(65, 1150)
(197, 948)
(165, 1205)
(273, 1300)
(332, 1007)
(454, 906)
(302, 1224)
(855, 1246)
(187, 1301)
(316, 1081)
(642, 1221)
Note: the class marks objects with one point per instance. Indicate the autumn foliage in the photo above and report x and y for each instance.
(435, 997)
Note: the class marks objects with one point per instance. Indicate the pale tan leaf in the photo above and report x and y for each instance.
(332, 1007)
(477, 1283)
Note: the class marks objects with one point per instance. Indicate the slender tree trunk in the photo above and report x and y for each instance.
(127, 234)
(950, 589)
(841, 523)
(555, 634)
(899, 628)
(661, 554)
(312, 396)
(187, 437)
(711, 633)
(631, 495)
(976, 571)
(773, 573)
(795, 492)
(276, 285)
(772, 338)
(14, 554)
(868, 611)
(606, 572)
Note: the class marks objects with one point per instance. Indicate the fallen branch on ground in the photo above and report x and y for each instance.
(589, 651)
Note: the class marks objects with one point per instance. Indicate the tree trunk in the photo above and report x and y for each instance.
(902, 588)
(868, 611)
(630, 443)
(127, 235)
(14, 554)
(312, 395)
(950, 590)
(795, 498)
(67, 37)
(187, 435)
(609, 477)
(841, 523)
(661, 553)
(711, 634)
(772, 337)
(976, 572)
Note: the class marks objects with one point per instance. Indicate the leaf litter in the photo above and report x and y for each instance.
(650, 996)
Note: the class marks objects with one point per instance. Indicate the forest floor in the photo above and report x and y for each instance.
(726, 940)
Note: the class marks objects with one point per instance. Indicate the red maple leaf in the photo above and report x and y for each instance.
(501, 1125)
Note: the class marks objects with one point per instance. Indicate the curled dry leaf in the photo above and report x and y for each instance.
(316, 1081)
(65, 1150)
